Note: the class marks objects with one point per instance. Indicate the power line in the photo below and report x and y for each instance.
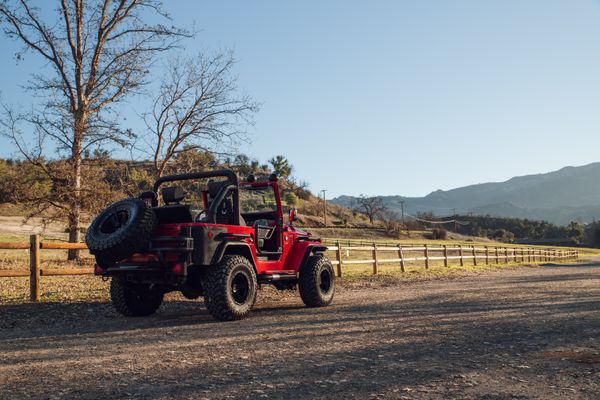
(450, 221)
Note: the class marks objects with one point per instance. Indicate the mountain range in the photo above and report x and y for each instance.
(569, 194)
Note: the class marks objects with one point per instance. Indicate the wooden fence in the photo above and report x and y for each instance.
(401, 255)
(35, 247)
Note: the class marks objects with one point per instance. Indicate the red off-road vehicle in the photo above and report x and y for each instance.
(219, 239)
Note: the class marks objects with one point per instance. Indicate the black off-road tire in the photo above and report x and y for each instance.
(220, 283)
(120, 230)
(317, 281)
(134, 300)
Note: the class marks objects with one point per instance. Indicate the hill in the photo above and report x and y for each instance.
(571, 193)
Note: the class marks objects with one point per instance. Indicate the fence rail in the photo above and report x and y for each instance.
(401, 255)
(427, 253)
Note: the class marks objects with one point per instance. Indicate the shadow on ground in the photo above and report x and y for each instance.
(493, 337)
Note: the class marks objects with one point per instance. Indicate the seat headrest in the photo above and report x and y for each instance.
(172, 194)
(214, 187)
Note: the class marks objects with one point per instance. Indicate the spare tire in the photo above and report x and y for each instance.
(122, 229)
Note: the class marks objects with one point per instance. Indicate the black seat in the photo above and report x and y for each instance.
(173, 212)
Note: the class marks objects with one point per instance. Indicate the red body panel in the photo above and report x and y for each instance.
(293, 249)
(291, 257)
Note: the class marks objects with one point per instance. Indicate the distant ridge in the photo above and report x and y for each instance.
(571, 193)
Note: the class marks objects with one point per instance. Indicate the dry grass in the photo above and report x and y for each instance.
(91, 289)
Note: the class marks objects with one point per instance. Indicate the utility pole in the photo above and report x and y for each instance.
(403, 220)
(455, 224)
(324, 208)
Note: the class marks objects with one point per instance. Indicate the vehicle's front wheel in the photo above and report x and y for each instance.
(230, 288)
(317, 281)
(134, 300)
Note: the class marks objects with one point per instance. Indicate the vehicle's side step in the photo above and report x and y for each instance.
(268, 278)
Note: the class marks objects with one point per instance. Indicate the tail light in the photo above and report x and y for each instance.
(177, 269)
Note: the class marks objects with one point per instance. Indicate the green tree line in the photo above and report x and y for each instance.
(510, 229)
(106, 180)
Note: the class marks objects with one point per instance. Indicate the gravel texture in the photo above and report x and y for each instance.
(508, 334)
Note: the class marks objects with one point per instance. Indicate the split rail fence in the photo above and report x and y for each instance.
(401, 255)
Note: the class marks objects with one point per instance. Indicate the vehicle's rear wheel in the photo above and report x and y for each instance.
(134, 300)
(230, 288)
(317, 281)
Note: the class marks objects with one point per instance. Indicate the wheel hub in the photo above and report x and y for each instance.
(240, 288)
(114, 222)
(325, 281)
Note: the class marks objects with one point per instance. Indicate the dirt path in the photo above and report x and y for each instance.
(520, 333)
(18, 226)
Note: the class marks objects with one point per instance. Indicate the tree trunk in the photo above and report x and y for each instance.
(74, 232)
(75, 187)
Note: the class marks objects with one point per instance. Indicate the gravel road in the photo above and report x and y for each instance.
(508, 334)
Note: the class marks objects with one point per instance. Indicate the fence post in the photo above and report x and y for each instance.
(426, 254)
(474, 256)
(374, 259)
(34, 268)
(487, 255)
(401, 256)
(445, 256)
(338, 255)
(528, 254)
(506, 255)
(460, 252)
(497, 258)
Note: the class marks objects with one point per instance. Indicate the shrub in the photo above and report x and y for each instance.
(439, 234)
(291, 199)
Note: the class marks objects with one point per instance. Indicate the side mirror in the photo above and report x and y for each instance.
(293, 215)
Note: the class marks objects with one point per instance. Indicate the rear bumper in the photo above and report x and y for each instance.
(126, 268)
(165, 256)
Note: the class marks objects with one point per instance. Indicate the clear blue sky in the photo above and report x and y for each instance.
(404, 97)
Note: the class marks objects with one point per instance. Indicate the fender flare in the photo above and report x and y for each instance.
(311, 250)
(240, 248)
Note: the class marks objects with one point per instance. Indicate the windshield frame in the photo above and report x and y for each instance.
(243, 186)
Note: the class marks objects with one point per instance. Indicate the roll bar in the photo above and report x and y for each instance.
(232, 187)
(227, 173)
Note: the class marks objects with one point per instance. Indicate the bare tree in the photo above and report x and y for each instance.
(372, 206)
(198, 108)
(390, 220)
(97, 53)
